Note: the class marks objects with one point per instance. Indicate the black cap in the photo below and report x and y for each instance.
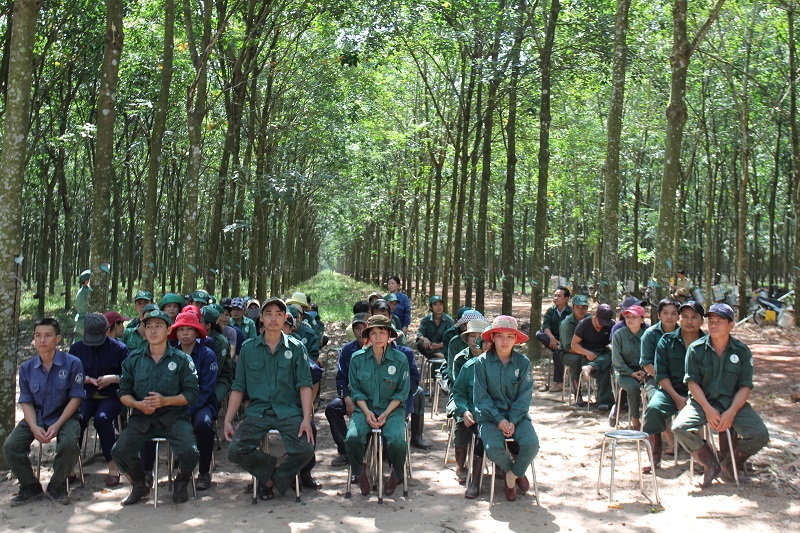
(697, 306)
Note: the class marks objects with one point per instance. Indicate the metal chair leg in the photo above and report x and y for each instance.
(452, 423)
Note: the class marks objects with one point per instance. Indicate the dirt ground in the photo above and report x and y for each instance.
(567, 468)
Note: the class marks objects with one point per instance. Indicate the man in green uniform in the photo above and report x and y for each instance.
(719, 374)
(209, 316)
(304, 332)
(158, 382)
(430, 334)
(580, 308)
(379, 386)
(550, 334)
(82, 304)
(669, 369)
(245, 324)
(135, 337)
(200, 298)
(273, 372)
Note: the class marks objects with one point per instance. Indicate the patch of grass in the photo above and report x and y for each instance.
(335, 294)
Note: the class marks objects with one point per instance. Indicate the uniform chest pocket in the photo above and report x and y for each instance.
(256, 370)
(168, 384)
(141, 386)
(62, 384)
(34, 387)
(730, 375)
(388, 387)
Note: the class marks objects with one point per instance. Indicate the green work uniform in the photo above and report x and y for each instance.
(132, 339)
(503, 391)
(397, 325)
(650, 339)
(309, 339)
(428, 329)
(625, 350)
(567, 331)
(670, 363)
(81, 309)
(247, 327)
(174, 374)
(552, 320)
(272, 381)
(456, 346)
(720, 379)
(378, 384)
(222, 349)
(460, 402)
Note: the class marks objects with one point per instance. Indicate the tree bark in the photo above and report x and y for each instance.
(12, 175)
(156, 142)
(609, 276)
(104, 178)
(794, 265)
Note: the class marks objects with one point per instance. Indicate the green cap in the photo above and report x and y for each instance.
(293, 310)
(216, 307)
(172, 298)
(434, 299)
(391, 297)
(580, 299)
(85, 275)
(461, 311)
(144, 295)
(209, 314)
(150, 307)
(158, 314)
(200, 296)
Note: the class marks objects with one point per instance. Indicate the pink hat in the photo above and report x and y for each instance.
(187, 320)
(636, 310)
(504, 324)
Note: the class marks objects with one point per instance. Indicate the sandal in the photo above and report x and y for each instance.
(265, 492)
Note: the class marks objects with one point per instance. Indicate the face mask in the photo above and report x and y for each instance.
(253, 314)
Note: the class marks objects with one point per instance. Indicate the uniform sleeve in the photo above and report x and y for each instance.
(302, 372)
(487, 412)
(549, 322)
(25, 395)
(356, 392)
(522, 403)
(413, 371)
(461, 390)
(403, 384)
(126, 378)
(316, 371)
(422, 330)
(342, 368)
(239, 381)
(693, 370)
(647, 352)
(207, 375)
(313, 345)
(190, 387)
(661, 360)
(251, 331)
(746, 375)
(76, 377)
(616, 356)
(566, 331)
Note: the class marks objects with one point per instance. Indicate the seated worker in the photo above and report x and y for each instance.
(456, 344)
(589, 354)
(50, 394)
(625, 350)
(580, 308)
(358, 308)
(102, 358)
(306, 479)
(461, 435)
(463, 409)
(313, 318)
(381, 307)
(233, 334)
(430, 333)
(209, 316)
(379, 385)
(172, 304)
(254, 314)
(200, 298)
(135, 337)
(273, 372)
(670, 368)
(203, 413)
(719, 374)
(453, 330)
(158, 382)
(116, 325)
(550, 335)
(415, 403)
(303, 332)
(343, 405)
(502, 396)
(623, 306)
(682, 282)
(392, 300)
(244, 323)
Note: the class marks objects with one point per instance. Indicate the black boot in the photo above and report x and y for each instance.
(705, 456)
(180, 493)
(417, 427)
(138, 487)
(474, 488)
(461, 464)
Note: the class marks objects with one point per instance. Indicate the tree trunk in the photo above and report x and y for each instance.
(540, 229)
(100, 262)
(795, 264)
(12, 175)
(609, 277)
(156, 142)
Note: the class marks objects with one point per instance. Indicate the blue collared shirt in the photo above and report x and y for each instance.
(50, 392)
(99, 361)
(205, 362)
